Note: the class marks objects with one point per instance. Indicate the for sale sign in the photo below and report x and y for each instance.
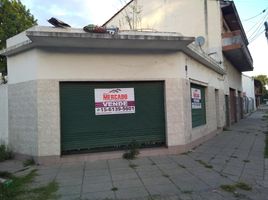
(114, 101)
(196, 98)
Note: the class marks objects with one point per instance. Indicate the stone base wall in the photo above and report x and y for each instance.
(23, 117)
(4, 114)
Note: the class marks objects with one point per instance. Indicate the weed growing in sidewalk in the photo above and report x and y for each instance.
(204, 164)
(133, 150)
(166, 175)
(243, 186)
(233, 156)
(187, 191)
(228, 188)
(233, 188)
(266, 146)
(29, 162)
(133, 166)
(5, 153)
(182, 166)
(19, 188)
(114, 189)
(186, 153)
(226, 129)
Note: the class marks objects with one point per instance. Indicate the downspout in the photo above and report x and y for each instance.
(206, 19)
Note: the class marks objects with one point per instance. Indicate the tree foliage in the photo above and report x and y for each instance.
(14, 18)
(264, 81)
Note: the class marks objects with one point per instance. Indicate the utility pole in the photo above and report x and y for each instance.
(266, 29)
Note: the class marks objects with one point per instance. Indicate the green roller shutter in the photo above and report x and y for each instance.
(82, 129)
(198, 102)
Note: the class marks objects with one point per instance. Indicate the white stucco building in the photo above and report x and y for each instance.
(249, 103)
(74, 92)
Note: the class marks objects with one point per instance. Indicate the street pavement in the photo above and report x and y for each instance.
(233, 156)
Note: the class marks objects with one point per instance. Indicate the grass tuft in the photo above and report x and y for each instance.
(243, 186)
(133, 150)
(204, 164)
(228, 188)
(166, 175)
(182, 166)
(266, 146)
(114, 189)
(133, 166)
(5, 153)
(19, 188)
(29, 162)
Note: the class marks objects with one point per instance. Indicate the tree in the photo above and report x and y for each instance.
(14, 18)
(264, 80)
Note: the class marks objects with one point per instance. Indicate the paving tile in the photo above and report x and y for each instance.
(70, 197)
(100, 172)
(130, 193)
(69, 181)
(69, 190)
(161, 159)
(44, 178)
(118, 163)
(96, 179)
(98, 195)
(148, 174)
(96, 165)
(192, 184)
(155, 181)
(48, 171)
(141, 161)
(132, 183)
(165, 166)
(163, 189)
(117, 171)
(96, 187)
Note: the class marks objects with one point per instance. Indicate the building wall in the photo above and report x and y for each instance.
(248, 94)
(188, 17)
(23, 117)
(22, 67)
(3, 114)
(233, 78)
(38, 131)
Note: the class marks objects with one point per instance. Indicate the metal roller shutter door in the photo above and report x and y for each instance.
(198, 107)
(82, 130)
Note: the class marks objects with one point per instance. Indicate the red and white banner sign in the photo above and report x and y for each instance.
(113, 101)
(196, 98)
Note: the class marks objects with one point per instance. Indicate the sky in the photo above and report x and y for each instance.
(79, 13)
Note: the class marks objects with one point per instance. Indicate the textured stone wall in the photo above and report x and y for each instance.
(48, 104)
(22, 107)
(4, 114)
(174, 112)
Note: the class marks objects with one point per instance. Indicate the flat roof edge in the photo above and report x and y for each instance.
(204, 59)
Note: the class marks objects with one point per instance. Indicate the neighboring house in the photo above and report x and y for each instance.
(258, 92)
(72, 92)
(249, 104)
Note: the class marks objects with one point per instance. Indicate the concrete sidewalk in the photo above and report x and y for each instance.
(230, 157)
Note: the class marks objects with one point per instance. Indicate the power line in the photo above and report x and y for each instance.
(253, 39)
(256, 15)
(260, 24)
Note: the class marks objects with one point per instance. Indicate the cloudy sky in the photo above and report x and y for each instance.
(79, 13)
